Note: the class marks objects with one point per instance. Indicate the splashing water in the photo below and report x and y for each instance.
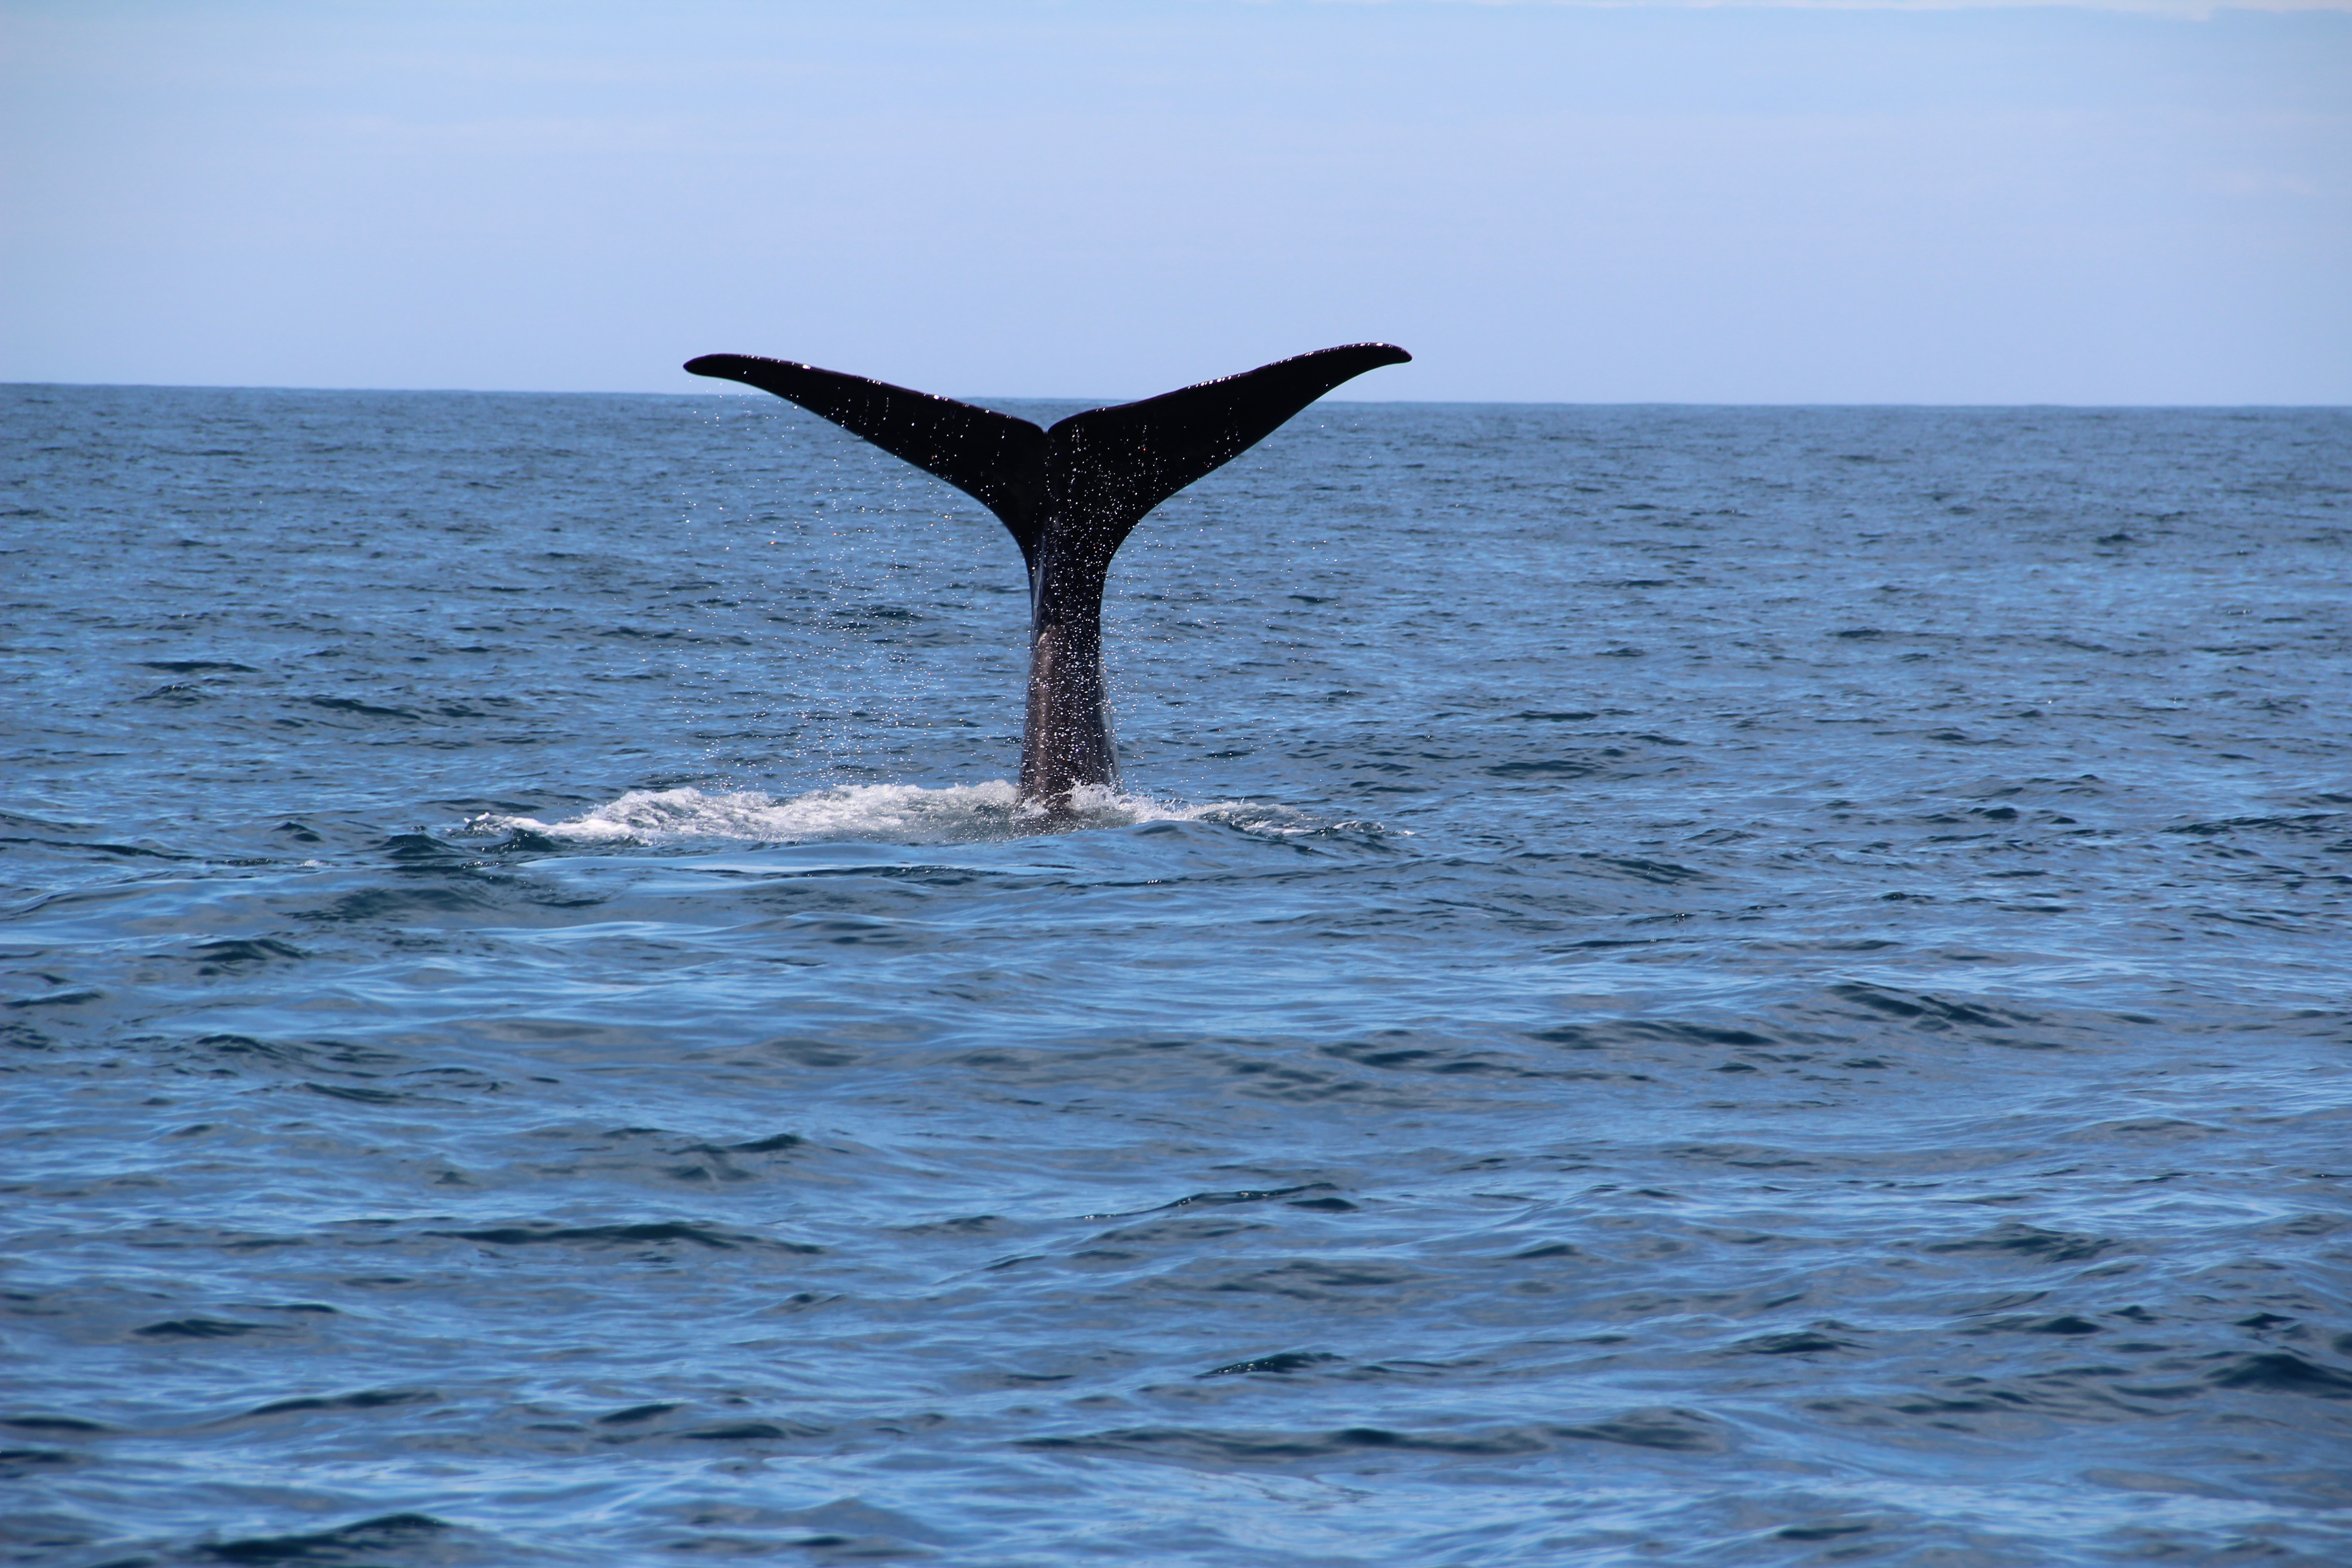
(900, 814)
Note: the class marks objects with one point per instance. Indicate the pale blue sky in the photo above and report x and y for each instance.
(1107, 198)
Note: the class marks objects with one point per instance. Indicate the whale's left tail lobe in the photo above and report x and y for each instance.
(995, 458)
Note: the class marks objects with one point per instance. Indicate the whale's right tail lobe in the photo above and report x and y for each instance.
(1107, 467)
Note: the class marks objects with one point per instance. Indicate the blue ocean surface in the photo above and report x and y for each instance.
(1727, 987)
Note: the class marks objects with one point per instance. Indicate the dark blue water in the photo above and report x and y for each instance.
(1698, 987)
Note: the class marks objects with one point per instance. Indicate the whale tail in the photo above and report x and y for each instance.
(1070, 496)
(1098, 472)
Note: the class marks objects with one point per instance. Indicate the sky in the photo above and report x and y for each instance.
(1765, 202)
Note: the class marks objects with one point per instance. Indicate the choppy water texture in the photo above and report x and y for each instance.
(1710, 986)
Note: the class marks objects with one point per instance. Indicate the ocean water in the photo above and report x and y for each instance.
(1671, 986)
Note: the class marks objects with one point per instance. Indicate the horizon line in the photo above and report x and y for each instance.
(984, 399)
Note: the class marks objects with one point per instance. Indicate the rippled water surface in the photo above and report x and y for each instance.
(1708, 986)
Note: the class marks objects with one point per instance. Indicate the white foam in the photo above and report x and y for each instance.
(900, 814)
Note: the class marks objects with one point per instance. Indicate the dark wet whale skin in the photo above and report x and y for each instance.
(1070, 496)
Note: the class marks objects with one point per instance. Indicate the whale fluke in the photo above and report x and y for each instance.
(1070, 496)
